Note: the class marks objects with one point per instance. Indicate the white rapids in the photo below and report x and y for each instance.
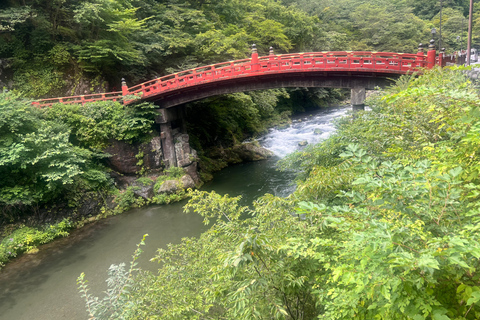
(308, 128)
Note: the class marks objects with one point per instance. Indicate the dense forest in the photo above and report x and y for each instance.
(49, 47)
(383, 224)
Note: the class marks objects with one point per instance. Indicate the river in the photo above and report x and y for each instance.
(43, 286)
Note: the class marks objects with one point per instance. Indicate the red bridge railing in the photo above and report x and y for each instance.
(340, 61)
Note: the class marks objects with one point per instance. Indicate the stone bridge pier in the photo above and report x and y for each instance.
(357, 98)
(174, 138)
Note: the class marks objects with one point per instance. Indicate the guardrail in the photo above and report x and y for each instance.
(115, 96)
(339, 61)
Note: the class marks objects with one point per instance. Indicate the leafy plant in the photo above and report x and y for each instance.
(95, 123)
(27, 239)
(120, 281)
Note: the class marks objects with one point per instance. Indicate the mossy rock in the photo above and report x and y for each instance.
(170, 186)
(303, 143)
(283, 126)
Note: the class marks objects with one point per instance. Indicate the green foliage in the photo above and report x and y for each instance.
(12, 16)
(403, 241)
(145, 181)
(140, 39)
(49, 153)
(37, 160)
(95, 123)
(175, 172)
(39, 81)
(126, 199)
(26, 239)
(114, 305)
(172, 173)
(164, 198)
(107, 28)
(386, 228)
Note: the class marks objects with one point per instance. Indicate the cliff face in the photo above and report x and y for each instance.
(130, 161)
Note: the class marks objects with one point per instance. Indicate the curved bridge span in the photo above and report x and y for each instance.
(340, 69)
(357, 70)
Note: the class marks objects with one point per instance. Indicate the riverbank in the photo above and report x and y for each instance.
(44, 227)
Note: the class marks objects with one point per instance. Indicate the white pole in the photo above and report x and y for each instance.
(469, 41)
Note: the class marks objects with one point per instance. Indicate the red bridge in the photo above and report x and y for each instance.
(365, 70)
(355, 70)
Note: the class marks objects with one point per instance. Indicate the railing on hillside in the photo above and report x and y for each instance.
(114, 96)
(339, 61)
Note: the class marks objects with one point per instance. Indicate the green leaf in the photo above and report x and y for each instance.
(474, 298)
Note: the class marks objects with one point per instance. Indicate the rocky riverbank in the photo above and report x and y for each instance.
(139, 177)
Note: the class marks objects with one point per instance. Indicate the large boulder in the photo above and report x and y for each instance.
(170, 186)
(122, 157)
(122, 181)
(152, 154)
(143, 190)
(251, 151)
(185, 155)
(187, 182)
(192, 171)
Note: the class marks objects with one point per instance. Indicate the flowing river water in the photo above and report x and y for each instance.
(43, 286)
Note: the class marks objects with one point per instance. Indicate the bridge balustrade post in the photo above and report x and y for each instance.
(255, 61)
(420, 59)
(124, 90)
(431, 55)
(271, 54)
(271, 58)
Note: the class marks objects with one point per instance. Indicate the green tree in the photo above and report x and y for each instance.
(108, 28)
(37, 161)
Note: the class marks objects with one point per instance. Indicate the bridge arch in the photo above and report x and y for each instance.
(343, 69)
(262, 82)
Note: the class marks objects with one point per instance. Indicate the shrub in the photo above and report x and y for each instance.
(26, 239)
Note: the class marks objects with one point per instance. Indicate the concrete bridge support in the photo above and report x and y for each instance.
(357, 99)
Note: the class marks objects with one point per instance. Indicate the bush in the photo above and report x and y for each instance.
(27, 239)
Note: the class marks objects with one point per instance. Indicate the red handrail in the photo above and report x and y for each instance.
(339, 61)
